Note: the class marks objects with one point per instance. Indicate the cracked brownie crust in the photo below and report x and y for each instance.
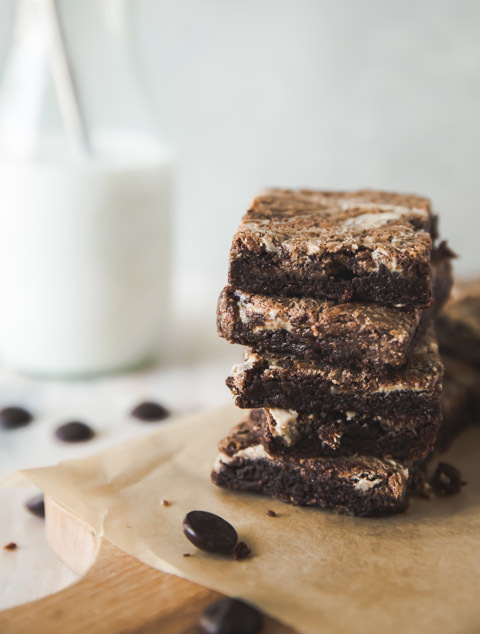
(356, 485)
(348, 246)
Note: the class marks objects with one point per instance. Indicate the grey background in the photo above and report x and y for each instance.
(327, 93)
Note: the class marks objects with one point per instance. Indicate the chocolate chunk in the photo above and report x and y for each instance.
(74, 431)
(447, 480)
(209, 532)
(13, 417)
(150, 412)
(36, 505)
(11, 546)
(241, 551)
(231, 616)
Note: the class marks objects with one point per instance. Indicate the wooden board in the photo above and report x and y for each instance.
(117, 593)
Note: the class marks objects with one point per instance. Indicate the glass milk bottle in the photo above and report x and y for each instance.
(85, 195)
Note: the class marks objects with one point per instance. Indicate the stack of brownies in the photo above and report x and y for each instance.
(334, 293)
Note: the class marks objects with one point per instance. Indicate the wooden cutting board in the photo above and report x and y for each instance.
(117, 593)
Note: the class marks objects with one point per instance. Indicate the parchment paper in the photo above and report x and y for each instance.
(314, 570)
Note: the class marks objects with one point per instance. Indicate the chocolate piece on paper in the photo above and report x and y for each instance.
(209, 532)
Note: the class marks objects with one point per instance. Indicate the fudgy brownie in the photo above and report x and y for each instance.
(336, 433)
(356, 485)
(286, 382)
(364, 246)
(458, 326)
(461, 399)
(347, 334)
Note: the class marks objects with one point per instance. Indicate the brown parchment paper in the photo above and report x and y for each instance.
(314, 570)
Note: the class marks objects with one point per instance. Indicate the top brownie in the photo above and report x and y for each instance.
(366, 245)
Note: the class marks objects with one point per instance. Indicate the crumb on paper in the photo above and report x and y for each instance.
(187, 554)
(241, 551)
(165, 502)
(447, 480)
(271, 513)
(11, 546)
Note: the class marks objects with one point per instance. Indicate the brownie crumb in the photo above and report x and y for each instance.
(241, 551)
(11, 546)
(165, 503)
(271, 513)
(187, 554)
(447, 480)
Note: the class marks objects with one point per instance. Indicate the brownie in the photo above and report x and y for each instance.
(286, 382)
(458, 326)
(461, 399)
(348, 334)
(355, 485)
(346, 246)
(336, 433)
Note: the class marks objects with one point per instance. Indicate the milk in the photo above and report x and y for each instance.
(85, 257)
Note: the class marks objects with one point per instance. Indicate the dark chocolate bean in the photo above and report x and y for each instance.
(13, 417)
(231, 616)
(447, 480)
(209, 532)
(150, 412)
(36, 505)
(74, 431)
